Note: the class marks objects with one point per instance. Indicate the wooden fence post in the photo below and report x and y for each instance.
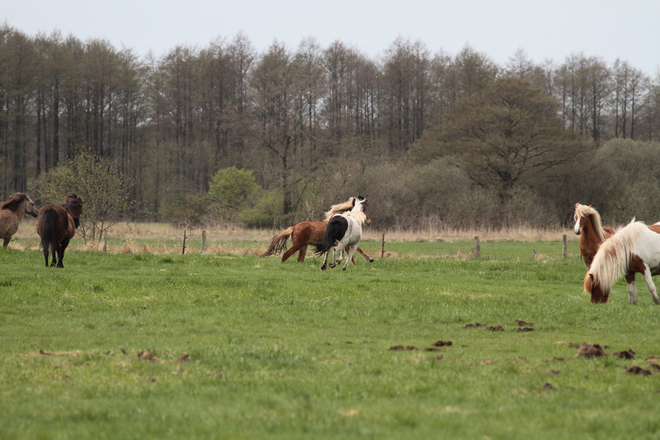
(477, 247)
(564, 240)
(183, 249)
(382, 247)
(105, 241)
(203, 241)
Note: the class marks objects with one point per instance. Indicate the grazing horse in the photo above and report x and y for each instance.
(342, 231)
(308, 233)
(634, 248)
(588, 226)
(11, 214)
(56, 225)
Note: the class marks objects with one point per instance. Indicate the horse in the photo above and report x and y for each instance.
(309, 233)
(634, 248)
(11, 214)
(345, 230)
(56, 225)
(588, 226)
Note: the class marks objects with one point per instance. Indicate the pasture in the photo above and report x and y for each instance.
(230, 345)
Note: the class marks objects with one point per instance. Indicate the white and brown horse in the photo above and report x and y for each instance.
(344, 232)
(634, 248)
(12, 212)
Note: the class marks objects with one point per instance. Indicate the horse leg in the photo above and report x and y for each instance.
(6, 241)
(301, 253)
(369, 259)
(53, 251)
(632, 291)
(290, 252)
(325, 261)
(649, 282)
(348, 249)
(350, 257)
(60, 252)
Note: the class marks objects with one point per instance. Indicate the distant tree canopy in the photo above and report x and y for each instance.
(316, 125)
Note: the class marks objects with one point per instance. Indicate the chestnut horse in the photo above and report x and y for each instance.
(588, 226)
(342, 231)
(634, 248)
(56, 225)
(11, 214)
(308, 233)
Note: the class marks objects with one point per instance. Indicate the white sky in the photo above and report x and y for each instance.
(547, 29)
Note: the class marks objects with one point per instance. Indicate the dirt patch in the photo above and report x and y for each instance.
(146, 355)
(43, 353)
(475, 325)
(401, 347)
(638, 370)
(439, 356)
(184, 357)
(574, 345)
(656, 367)
(525, 329)
(628, 354)
(522, 323)
(547, 386)
(495, 328)
(560, 359)
(651, 358)
(441, 343)
(590, 350)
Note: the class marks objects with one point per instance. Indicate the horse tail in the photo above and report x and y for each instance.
(330, 236)
(278, 243)
(49, 230)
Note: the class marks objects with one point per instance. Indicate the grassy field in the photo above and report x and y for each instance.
(224, 345)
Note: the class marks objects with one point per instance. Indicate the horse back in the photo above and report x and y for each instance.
(63, 224)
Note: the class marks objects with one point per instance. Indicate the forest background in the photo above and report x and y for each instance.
(434, 140)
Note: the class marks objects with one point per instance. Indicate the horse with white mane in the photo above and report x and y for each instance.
(634, 248)
(345, 230)
(591, 231)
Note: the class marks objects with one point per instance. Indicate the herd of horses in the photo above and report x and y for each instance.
(56, 224)
(608, 254)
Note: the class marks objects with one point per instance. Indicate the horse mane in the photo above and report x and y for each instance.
(586, 211)
(358, 214)
(74, 205)
(615, 253)
(340, 208)
(14, 202)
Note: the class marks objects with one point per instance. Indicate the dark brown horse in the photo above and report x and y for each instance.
(308, 233)
(11, 214)
(56, 225)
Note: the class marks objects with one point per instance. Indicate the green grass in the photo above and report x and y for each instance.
(289, 351)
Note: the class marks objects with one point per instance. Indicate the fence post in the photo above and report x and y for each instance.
(105, 241)
(382, 247)
(565, 251)
(203, 241)
(477, 247)
(183, 249)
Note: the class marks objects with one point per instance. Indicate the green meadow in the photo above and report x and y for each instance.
(222, 346)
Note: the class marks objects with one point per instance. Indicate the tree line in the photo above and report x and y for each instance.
(433, 139)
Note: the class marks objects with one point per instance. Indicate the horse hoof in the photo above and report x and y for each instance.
(323, 267)
(372, 260)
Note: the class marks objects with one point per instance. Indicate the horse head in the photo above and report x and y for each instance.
(593, 286)
(578, 219)
(30, 208)
(74, 205)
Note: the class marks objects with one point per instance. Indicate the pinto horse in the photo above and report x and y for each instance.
(56, 225)
(588, 226)
(308, 233)
(11, 214)
(635, 248)
(343, 231)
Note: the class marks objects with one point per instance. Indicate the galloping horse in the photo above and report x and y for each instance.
(588, 226)
(634, 248)
(11, 214)
(308, 233)
(345, 230)
(56, 225)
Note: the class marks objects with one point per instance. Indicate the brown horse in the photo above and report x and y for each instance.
(56, 225)
(11, 214)
(308, 233)
(588, 226)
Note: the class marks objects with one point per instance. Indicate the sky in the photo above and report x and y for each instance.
(545, 30)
